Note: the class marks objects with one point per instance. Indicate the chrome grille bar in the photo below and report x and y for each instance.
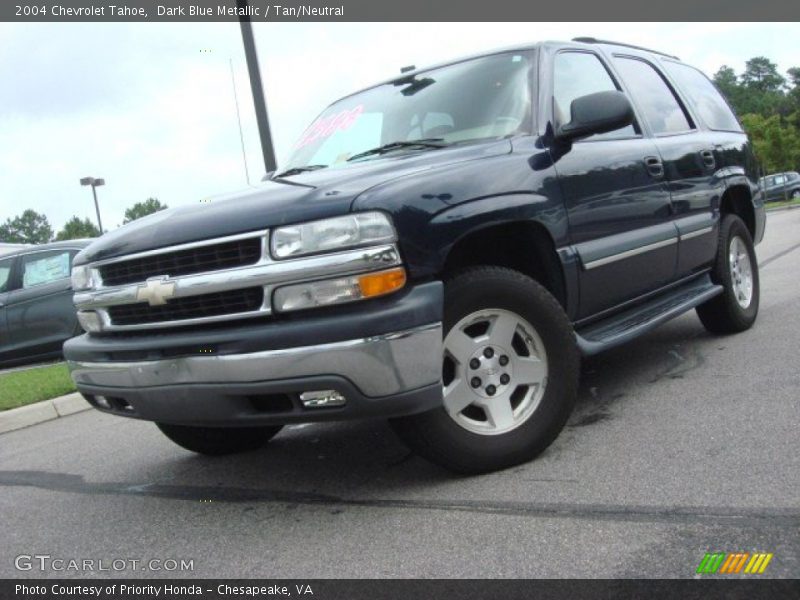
(266, 273)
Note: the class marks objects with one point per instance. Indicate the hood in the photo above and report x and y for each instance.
(304, 197)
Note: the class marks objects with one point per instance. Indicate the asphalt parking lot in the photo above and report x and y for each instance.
(682, 443)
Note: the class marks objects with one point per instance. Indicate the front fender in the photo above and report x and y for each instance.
(434, 209)
(456, 223)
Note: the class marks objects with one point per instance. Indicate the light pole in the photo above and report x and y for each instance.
(256, 88)
(95, 183)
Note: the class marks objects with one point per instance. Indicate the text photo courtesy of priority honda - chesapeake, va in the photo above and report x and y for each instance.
(357, 309)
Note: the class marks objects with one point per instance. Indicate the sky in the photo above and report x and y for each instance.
(150, 106)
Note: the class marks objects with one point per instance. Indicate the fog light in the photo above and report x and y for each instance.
(102, 402)
(322, 398)
(89, 320)
(339, 291)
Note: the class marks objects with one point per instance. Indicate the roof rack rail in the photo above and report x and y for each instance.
(591, 40)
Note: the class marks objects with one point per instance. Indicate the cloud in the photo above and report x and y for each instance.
(150, 107)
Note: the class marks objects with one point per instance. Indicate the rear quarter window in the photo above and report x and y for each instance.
(703, 96)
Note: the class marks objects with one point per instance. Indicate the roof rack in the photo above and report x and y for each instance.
(591, 40)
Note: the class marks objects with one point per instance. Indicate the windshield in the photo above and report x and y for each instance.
(477, 99)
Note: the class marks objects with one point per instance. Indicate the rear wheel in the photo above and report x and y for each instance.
(216, 441)
(795, 194)
(736, 270)
(509, 370)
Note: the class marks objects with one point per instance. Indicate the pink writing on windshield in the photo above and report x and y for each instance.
(327, 126)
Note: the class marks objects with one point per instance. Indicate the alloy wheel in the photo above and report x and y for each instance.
(494, 371)
(741, 272)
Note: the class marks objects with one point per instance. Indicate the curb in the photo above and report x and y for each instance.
(780, 208)
(47, 410)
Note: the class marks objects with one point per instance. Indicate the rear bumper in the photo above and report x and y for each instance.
(244, 379)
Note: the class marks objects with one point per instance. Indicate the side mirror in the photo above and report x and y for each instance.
(596, 113)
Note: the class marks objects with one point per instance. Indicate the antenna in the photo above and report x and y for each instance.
(239, 120)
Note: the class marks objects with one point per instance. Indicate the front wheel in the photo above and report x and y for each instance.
(510, 372)
(736, 270)
(217, 441)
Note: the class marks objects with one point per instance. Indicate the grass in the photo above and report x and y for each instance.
(783, 203)
(32, 385)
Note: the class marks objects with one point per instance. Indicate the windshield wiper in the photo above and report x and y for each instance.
(296, 170)
(421, 143)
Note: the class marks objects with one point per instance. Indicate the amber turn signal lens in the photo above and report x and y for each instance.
(378, 284)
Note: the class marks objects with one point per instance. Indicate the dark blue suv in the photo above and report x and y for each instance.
(439, 249)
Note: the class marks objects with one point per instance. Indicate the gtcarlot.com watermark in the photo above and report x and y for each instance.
(58, 564)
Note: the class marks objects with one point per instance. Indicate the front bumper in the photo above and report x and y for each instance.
(384, 357)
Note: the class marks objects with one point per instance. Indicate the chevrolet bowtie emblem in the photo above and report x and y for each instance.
(156, 291)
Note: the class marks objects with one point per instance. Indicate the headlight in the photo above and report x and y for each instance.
(332, 234)
(82, 278)
(339, 291)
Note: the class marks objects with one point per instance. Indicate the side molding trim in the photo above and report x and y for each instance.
(698, 233)
(628, 253)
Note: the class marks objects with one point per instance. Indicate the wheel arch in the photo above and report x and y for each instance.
(738, 200)
(526, 246)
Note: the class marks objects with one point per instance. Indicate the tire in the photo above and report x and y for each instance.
(483, 308)
(735, 309)
(795, 194)
(217, 441)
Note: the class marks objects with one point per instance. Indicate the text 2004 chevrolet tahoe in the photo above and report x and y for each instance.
(439, 250)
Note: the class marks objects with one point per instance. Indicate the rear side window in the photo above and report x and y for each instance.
(660, 106)
(45, 267)
(579, 74)
(704, 97)
(5, 273)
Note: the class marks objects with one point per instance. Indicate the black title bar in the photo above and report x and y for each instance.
(403, 589)
(393, 10)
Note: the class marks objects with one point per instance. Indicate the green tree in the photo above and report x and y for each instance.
(794, 87)
(728, 83)
(768, 106)
(77, 228)
(794, 76)
(28, 228)
(763, 88)
(726, 80)
(760, 89)
(761, 74)
(775, 142)
(142, 209)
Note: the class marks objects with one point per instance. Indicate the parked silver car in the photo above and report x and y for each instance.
(36, 310)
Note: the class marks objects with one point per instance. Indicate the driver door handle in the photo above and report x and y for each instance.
(654, 166)
(708, 159)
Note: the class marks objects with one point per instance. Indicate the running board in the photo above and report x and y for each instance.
(633, 322)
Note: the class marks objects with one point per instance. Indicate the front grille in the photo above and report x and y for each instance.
(191, 307)
(225, 255)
